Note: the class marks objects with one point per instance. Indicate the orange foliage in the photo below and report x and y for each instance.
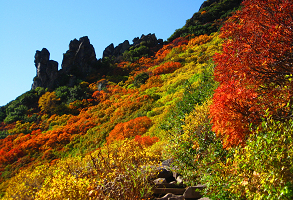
(146, 141)
(199, 40)
(166, 49)
(167, 67)
(137, 126)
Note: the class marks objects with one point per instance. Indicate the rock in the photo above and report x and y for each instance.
(167, 163)
(170, 196)
(80, 60)
(91, 193)
(46, 70)
(160, 181)
(102, 84)
(78, 63)
(109, 50)
(167, 174)
(149, 40)
(191, 193)
(179, 180)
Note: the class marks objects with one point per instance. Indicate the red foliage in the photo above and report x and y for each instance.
(166, 49)
(137, 126)
(255, 68)
(167, 67)
(146, 140)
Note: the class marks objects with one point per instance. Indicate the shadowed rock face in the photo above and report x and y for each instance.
(47, 70)
(150, 40)
(80, 59)
(78, 63)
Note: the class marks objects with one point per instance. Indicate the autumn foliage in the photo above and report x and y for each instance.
(194, 99)
(167, 68)
(132, 128)
(255, 68)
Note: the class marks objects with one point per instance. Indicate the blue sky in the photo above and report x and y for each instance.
(27, 26)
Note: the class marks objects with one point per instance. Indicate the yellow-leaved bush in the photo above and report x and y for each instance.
(124, 168)
(27, 183)
(263, 169)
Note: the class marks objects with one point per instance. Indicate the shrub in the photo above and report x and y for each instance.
(125, 170)
(264, 167)
(167, 68)
(137, 126)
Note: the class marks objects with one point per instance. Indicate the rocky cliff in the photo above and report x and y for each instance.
(47, 70)
(80, 62)
(149, 40)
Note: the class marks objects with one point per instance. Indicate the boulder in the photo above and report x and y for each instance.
(160, 181)
(121, 48)
(170, 196)
(79, 62)
(193, 193)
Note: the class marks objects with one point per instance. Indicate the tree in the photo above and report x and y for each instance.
(255, 68)
(48, 102)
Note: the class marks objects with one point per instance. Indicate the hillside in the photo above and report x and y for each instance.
(217, 102)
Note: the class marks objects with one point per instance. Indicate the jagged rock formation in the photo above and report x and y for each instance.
(149, 40)
(78, 63)
(80, 60)
(47, 70)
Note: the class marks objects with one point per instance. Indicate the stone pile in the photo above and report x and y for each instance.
(170, 186)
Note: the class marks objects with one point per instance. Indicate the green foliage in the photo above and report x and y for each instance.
(135, 53)
(2, 113)
(3, 134)
(265, 166)
(15, 113)
(22, 106)
(140, 79)
(70, 94)
(207, 20)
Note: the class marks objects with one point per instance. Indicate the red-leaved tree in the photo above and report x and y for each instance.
(255, 68)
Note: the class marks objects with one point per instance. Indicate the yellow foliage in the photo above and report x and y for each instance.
(47, 102)
(197, 121)
(56, 120)
(123, 169)
(26, 183)
(63, 186)
(20, 128)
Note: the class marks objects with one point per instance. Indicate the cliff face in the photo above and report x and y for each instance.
(47, 70)
(78, 62)
(80, 59)
(150, 40)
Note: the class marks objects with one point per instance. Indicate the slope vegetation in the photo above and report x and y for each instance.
(217, 103)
